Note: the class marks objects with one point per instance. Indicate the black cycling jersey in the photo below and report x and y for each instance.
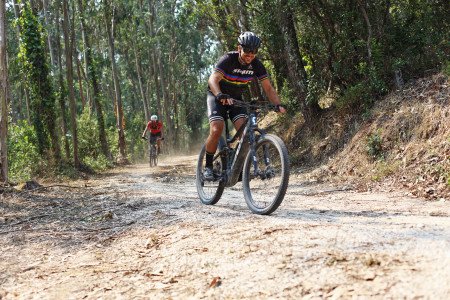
(237, 76)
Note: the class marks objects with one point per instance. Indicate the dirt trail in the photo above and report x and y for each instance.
(140, 233)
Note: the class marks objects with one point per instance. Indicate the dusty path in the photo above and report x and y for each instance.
(143, 234)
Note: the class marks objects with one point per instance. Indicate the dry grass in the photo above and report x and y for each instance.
(414, 129)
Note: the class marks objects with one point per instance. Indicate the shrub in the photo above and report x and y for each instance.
(375, 145)
(23, 156)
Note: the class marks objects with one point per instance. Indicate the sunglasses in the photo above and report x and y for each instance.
(249, 50)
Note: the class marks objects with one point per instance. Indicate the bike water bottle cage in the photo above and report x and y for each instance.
(221, 96)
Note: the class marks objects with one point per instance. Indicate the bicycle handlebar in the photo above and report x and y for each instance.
(146, 138)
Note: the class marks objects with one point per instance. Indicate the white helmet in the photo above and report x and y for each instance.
(154, 118)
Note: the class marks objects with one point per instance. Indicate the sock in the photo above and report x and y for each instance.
(209, 159)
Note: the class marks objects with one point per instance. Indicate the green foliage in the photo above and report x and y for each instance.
(135, 145)
(100, 163)
(447, 68)
(375, 145)
(23, 156)
(36, 70)
(89, 147)
(353, 96)
(288, 98)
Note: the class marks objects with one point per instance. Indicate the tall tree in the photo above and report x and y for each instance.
(3, 97)
(110, 29)
(92, 75)
(22, 76)
(35, 66)
(68, 49)
(62, 86)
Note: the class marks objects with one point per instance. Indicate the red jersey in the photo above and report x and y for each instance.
(154, 126)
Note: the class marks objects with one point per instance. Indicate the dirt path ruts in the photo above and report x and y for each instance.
(142, 233)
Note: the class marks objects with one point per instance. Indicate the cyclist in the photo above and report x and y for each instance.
(232, 74)
(155, 127)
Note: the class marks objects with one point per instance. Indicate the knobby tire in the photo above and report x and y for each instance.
(216, 188)
(282, 172)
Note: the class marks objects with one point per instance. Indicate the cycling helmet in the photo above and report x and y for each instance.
(154, 118)
(249, 40)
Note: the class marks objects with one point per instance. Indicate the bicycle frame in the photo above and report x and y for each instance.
(238, 154)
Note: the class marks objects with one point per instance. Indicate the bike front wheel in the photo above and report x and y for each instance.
(265, 176)
(155, 158)
(209, 191)
(152, 158)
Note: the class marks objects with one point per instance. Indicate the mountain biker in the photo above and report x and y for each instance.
(155, 127)
(232, 74)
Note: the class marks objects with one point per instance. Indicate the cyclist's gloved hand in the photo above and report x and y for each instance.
(221, 96)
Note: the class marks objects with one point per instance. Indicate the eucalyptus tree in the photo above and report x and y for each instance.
(110, 24)
(62, 91)
(35, 67)
(4, 96)
(68, 47)
(14, 64)
(93, 77)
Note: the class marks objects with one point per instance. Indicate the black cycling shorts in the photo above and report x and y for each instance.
(217, 111)
(154, 136)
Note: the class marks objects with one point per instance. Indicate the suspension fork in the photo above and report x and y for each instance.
(252, 140)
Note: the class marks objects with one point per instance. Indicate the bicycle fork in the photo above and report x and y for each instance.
(267, 173)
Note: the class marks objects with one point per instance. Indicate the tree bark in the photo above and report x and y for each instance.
(295, 66)
(117, 93)
(22, 84)
(48, 24)
(87, 54)
(92, 75)
(362, 7)
(244, 18)
(141, 86)
(3, 98)
(62, 87)
(69, 71)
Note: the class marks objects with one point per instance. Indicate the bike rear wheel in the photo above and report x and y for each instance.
(265, 190)
(153, 156)
(209, 191)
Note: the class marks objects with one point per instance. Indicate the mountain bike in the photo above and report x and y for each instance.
(258, 159)
(153, 151)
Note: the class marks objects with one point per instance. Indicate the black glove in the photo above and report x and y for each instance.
(221, 96)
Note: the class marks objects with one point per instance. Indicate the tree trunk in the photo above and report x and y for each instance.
(80, 83)
(48, 24)
(296, 69)
(87, 54)
(154, 60)
(244, 18)
(110, 31)
(62, 87)
(226, 34)
(69, 71)
(166, 103)
(141, 86)
(362, 7)
(3, 98)
(92, 75)
(22, 84)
